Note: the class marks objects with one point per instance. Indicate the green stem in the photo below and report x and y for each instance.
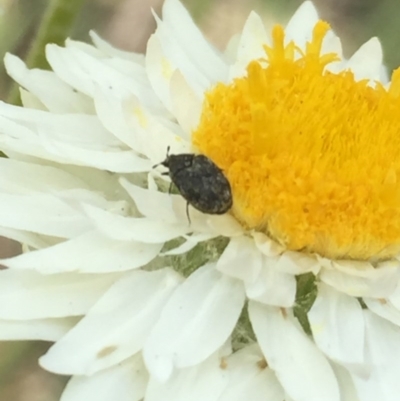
(56, 25)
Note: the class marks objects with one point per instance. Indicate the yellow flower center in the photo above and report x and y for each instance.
(312, 156)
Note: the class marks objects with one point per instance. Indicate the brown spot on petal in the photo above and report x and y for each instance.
(223, 364)
(262, 364)
(106, 351)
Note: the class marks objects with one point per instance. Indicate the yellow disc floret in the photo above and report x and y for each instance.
(313, 157)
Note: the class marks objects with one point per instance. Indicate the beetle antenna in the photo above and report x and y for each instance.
(159, 164)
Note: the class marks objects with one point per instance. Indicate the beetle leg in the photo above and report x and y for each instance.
(187, 213)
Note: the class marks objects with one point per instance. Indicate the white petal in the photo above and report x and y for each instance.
(42, 213)
(109, 50)
(332, 44)
(369, 389)
(170, 49)
(86, 73)
(272, 286)
(297, 263)
(172, 210)
(185, 32)
(163, 56)
(231, 49)
(299, 28)
(112, 113)
(73, 128)
(41, 329)
(241, 259)
(159, 70)
(27, 238)
(337, 324)
(124, 382)
(191, 242)
(251, 45)
(383, 350)
(30, 101)
(129, 121)
(71, 139)
(383, 340)
(106, 158)
(365, 269)
(346, 385)
(85, 47)
(366, 62)
(23, 178)
(267, 246)
(300, 367)
(361, 279)
(384, 75)
(225, 225)
(55, 94)
(185, 104)
(395, 296)
(205, 381)
(249, 379)
(91, 252)
(153, 204)
(157, 134)
(384, 308)
(27, 148)
(133, 229)
(29, 295)
(77, 197)
(196, 321)
(116, 327)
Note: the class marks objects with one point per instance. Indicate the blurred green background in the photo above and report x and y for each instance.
(127, 24)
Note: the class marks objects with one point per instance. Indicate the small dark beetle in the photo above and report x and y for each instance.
(200, 181)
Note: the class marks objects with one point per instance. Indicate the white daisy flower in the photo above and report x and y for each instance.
(291, 295)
